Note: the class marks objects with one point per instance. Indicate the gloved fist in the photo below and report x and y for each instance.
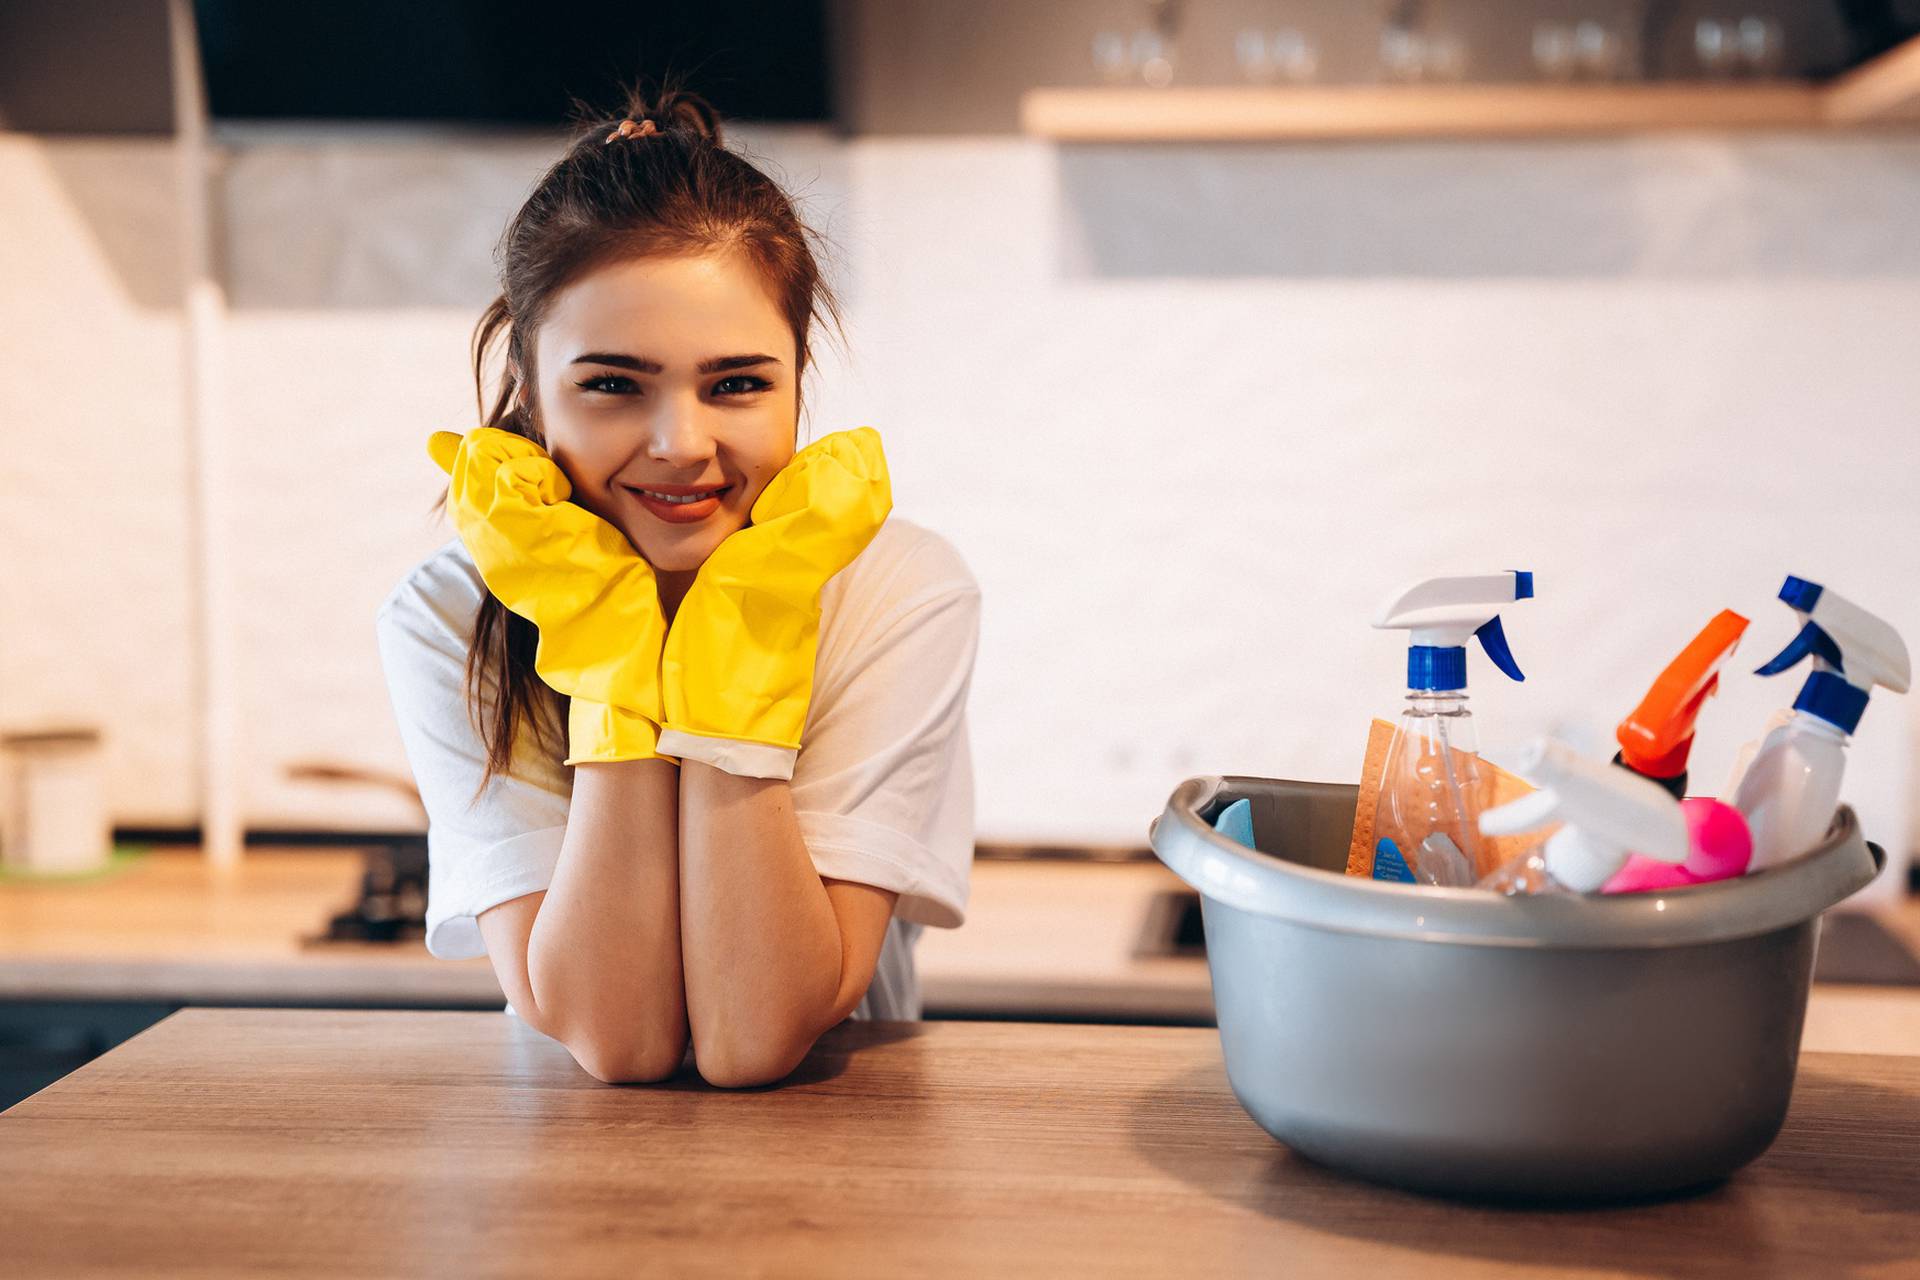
(573, 575)
(737, 668)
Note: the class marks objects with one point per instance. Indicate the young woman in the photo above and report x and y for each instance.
(685, 703)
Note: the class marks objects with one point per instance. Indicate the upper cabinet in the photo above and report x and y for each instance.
(1882, 92)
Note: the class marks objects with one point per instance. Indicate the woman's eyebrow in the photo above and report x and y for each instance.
(642, 364)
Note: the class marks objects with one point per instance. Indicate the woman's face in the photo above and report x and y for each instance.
(665, 377)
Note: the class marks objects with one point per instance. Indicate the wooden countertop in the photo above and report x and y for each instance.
(316, 1142)
(172, 928)
(1043, 939)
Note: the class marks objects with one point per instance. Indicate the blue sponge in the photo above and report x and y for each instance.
(1236, 822)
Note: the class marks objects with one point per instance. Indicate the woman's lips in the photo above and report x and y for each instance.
(680, 512)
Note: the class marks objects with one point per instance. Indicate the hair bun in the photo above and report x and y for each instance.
(676, 108)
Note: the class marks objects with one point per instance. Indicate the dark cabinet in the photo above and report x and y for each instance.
(40, 1041)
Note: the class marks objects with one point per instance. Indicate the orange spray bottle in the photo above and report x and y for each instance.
(1654, 743)
(1657, 737)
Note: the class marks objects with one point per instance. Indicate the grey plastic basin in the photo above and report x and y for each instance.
(1467, 1043)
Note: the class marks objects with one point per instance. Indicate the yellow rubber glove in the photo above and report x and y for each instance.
(737, 670)
(571, 574)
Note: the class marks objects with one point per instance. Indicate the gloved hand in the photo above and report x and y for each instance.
(571, 574)
(737, 670)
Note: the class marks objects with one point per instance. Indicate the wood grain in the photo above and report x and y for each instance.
(306, 1142)
(1886, 89)
(1042, 939)
(1052, 938)
(174, 927)
(1233, 113)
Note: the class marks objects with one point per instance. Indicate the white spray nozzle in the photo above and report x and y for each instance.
(1853, 652)
(1610, 813)
(1444, 613)
(1843, 637)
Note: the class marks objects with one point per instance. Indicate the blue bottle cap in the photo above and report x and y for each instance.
(1832, 699)
(1436, 667)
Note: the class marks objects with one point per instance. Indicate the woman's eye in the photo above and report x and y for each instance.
(595, 383)
(614, 384)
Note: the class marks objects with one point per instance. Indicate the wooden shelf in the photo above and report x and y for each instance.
(1884, 91)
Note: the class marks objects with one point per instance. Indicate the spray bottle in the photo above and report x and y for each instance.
(1433, 786)
(1790, 789)
(1656, 738)
(1609, 815)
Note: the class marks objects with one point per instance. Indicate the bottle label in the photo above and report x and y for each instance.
(1389, 865)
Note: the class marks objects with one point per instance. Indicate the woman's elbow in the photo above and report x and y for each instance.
(727, 1062)
(625, 1060)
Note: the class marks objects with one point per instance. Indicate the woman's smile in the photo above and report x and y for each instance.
(680, 504)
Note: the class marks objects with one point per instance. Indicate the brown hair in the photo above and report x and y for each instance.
(619, 191)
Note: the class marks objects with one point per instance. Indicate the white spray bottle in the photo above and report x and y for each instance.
(1609, 813)
(1788, 788)
(1434, 785)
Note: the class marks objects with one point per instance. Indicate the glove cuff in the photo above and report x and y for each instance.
(600, 733)
(742, 759)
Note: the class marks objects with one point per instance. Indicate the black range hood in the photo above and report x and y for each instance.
(104, 66)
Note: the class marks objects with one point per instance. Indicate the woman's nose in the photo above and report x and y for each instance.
(677, 436)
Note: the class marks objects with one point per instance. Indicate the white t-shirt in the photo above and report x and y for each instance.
(882, 788)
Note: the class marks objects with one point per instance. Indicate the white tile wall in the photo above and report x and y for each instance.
(1188, 414)
(1185, 493)
(96, 598)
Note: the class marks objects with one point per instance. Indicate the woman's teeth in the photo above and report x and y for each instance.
(681, 501)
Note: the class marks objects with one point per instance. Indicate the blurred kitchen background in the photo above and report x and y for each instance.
(1197, 327)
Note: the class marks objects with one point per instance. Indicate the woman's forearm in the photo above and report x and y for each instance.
(759, 936)
(603, 958)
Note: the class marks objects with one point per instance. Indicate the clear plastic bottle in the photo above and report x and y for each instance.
(1524, 875)
(1434, 788)
(1433, 784)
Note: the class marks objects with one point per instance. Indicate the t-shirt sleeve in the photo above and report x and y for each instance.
(883, 786)
(482, 849)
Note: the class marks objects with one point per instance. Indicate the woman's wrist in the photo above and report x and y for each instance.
(598, 732)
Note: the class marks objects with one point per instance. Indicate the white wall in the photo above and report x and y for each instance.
(1192, 415)
(96, 601)
(1188, 412)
